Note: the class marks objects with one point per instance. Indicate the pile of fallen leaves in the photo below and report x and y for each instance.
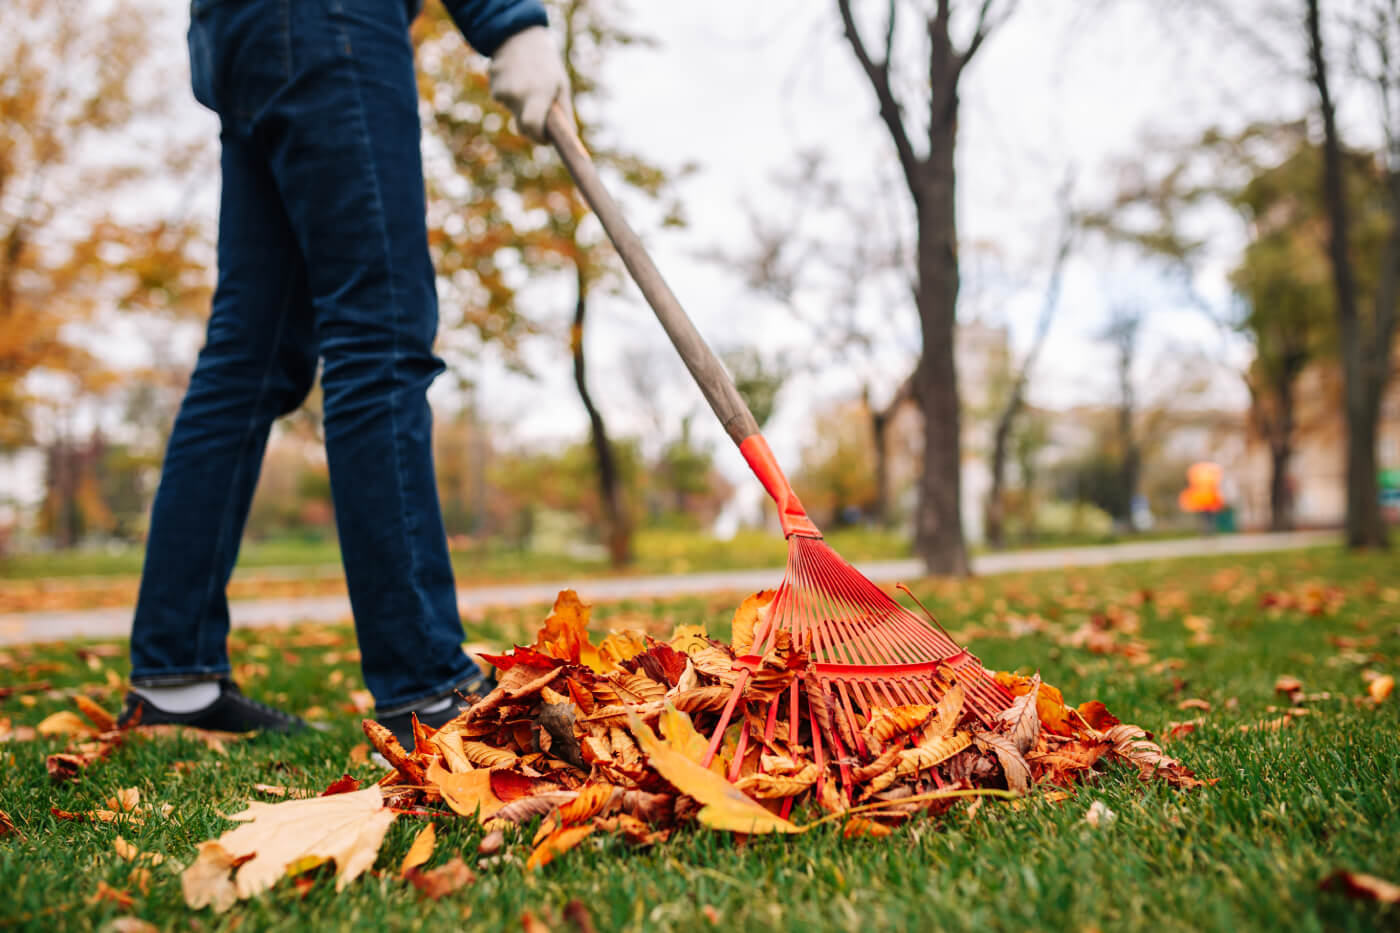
(614, 737)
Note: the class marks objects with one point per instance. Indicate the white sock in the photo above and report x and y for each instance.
(182, 698)
(436, 706)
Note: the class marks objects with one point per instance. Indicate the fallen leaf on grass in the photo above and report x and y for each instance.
(129, 925)
(66, 722)
(346, 828)
(106, 894)
(557, 843)
(130, 853)
(576, 912)
(860, 826)
(468, 793)
(420, 851)
(723, 805)
(529, 923)
(491, 843)
(7, 827)
(1022, 718)
(1362, 887)
(1380, 688)
(1099, 815)
(443, 880)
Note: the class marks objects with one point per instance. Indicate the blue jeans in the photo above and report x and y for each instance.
(323, 253)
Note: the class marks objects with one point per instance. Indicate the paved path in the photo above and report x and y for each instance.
(98, 623)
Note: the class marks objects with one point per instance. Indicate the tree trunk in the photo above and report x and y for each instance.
(617, 528)
(1280, 489)
(1365, 526)
(1281, 453)
(995, 510)
(880, 421)
(938, 531)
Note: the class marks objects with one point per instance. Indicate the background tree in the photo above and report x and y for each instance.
(833, 257)
(931, 181)
(76, 82)
(1365, 329)
(1122, 333)
(506, 211)
(1002, 433)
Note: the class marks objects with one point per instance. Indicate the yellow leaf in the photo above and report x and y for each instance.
(688, 639)
(556, 844)
(347, 828)
(620, 646)
(468, 792)
(66, 722)
(679, 733)
(420, 851)
(748, 618)
(723, 805)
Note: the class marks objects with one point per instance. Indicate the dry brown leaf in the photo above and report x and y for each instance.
(1362, 887)
(387, 745)
(723, 805)
(443, 880)
(1013, 764)
(129, 925)
(420, 851)
(127, 800)
(889, 721)
(7, 827)
(557, 843)
(488, 756)
(491, 843)
(99, 717)
(928, 754)
(346, 828)
(1022, 717)
(701, 699)
(772, 786)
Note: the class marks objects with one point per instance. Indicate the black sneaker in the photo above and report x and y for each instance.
(231, 712)
(401, 724)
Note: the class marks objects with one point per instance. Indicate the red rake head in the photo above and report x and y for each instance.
(863, 651)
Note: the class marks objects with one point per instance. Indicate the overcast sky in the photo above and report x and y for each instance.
(737, 88)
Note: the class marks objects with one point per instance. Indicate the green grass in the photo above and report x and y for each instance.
(658, 551)
(1290, 807)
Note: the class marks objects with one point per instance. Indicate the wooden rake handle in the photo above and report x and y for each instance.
(718, 389)
(704, 366)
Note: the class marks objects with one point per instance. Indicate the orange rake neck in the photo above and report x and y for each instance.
(791, 514)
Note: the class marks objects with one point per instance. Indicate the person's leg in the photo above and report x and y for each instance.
(342, 138)
(258, 362)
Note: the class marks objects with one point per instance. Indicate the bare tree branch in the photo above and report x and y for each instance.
(879, 77)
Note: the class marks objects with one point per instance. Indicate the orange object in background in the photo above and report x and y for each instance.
(1202, 492)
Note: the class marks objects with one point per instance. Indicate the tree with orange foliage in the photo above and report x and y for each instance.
(78, 88)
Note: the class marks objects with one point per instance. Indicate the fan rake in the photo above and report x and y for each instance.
(858, 650)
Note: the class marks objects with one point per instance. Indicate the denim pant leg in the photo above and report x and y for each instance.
(258, 362)
(342, 139)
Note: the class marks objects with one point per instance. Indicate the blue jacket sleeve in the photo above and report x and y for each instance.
(487, 23)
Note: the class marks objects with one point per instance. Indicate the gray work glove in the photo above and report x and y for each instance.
(527, 75)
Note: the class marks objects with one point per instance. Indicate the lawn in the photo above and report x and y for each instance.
(1161, 644)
